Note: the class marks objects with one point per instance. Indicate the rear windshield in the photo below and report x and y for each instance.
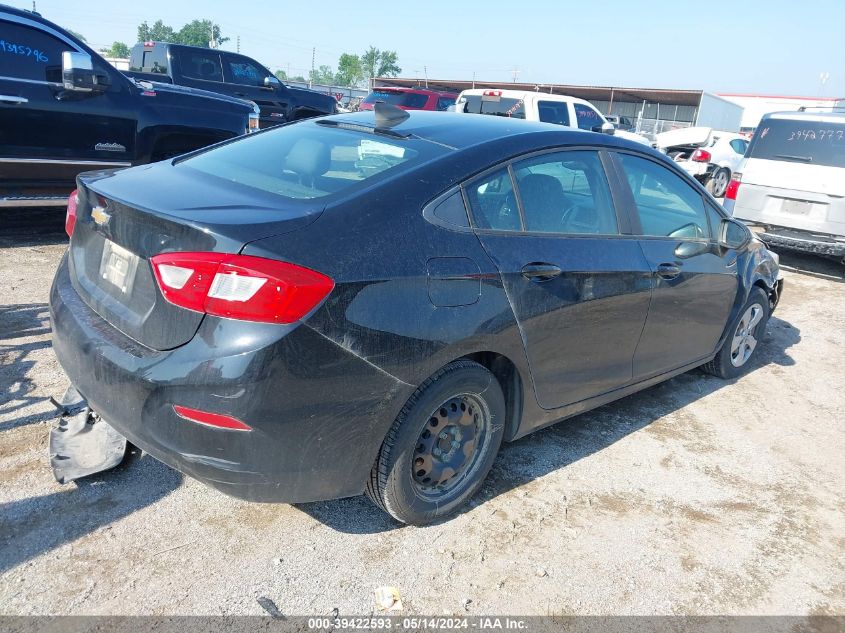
(811, 142)
(308, 160)
(404, 99)
(499, 106)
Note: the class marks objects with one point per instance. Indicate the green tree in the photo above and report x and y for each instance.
(281, 75)
(376, 63)
(323, 75)
(349, 70)
(77, 35)
(158, 32)
(198, 33)
(118, 49)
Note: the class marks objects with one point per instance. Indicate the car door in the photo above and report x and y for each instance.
(47, 133)
(578, 284)
(695, 279)
(245, 80)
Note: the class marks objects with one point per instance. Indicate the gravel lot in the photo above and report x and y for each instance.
(694, 497)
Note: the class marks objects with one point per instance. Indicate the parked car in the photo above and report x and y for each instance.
(64, 110)
(710, 156)
(620, 122)
(375, 301)
(791, 185)
(538, 106)
(230, 74)
(409, 98)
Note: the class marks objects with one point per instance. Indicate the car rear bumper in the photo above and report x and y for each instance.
(796, 239)
(318, 413)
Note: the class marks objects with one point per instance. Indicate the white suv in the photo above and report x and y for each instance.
(791, 184)
(538, 106)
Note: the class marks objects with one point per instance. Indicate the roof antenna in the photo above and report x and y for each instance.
(388, 115)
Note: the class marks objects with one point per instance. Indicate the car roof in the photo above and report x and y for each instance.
(522, 94)
(460, 131)
(826, 117)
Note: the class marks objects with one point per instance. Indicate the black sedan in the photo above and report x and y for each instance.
(375, 302)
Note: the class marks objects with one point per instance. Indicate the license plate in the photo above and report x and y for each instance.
(117, 266)
(796, 207)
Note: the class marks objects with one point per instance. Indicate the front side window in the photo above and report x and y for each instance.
(493, 202)
(309, 160)
(587, 117)
(443, 103)
(202, 65)
(566, 193)
(245, 72)
(28, 53)
(667, 206)
(556, 112)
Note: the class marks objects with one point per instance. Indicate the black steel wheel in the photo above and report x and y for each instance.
(441, 446)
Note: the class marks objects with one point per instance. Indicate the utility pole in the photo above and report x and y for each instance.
(212, 43)
(311, 76)
(425, 70)
(239, 43)
(515, 73)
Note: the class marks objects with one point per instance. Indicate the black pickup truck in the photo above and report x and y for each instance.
(230, 74)
(64, 110)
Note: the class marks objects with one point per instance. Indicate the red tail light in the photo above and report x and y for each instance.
(733, 187)
(70, 218)
(240, 286)
(701, 156)
(211, 419)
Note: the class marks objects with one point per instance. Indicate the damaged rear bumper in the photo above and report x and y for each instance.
(798, 240)
(317, 412)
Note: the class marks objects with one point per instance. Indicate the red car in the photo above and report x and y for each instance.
(410, 98)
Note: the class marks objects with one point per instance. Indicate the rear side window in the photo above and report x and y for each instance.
(244, 72)
(587, 117)
(554, 112)
(443, 103)
(412, 100)
(493, 202)
(28, 53)
(739, 145)
(667, 206)
(497, 106)
(810, 142)
(201, 65)
(308, 160)
(566, 193)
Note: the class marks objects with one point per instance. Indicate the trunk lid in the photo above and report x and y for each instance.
(684, 137)
(126, 217)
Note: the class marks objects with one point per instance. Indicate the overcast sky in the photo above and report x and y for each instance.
(773, 47)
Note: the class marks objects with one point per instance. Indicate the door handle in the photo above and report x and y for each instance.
(540, 272)
(12, 99)
(240, 94)
(668, 271)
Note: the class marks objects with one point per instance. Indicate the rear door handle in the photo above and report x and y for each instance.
(668, 271)
(12, 99)
(540, 271)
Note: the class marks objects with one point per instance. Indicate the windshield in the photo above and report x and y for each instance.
(800, 141)
(392, 97)
(307, 160)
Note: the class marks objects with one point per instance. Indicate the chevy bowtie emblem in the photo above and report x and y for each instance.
(99, 215)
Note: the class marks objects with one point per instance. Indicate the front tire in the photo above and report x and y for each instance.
(441, 445)
(744, 336)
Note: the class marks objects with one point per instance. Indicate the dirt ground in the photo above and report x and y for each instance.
(697, 496)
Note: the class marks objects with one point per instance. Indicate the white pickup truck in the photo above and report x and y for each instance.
(539, 106)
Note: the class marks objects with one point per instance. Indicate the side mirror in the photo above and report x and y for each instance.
(270, 81)
(733, 234)
(78, 73)
(605, 128)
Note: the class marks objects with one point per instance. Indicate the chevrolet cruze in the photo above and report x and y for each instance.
(375, 302)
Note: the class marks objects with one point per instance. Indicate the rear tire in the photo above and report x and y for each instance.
(441, 445)
(718, 183)
(744, 336)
